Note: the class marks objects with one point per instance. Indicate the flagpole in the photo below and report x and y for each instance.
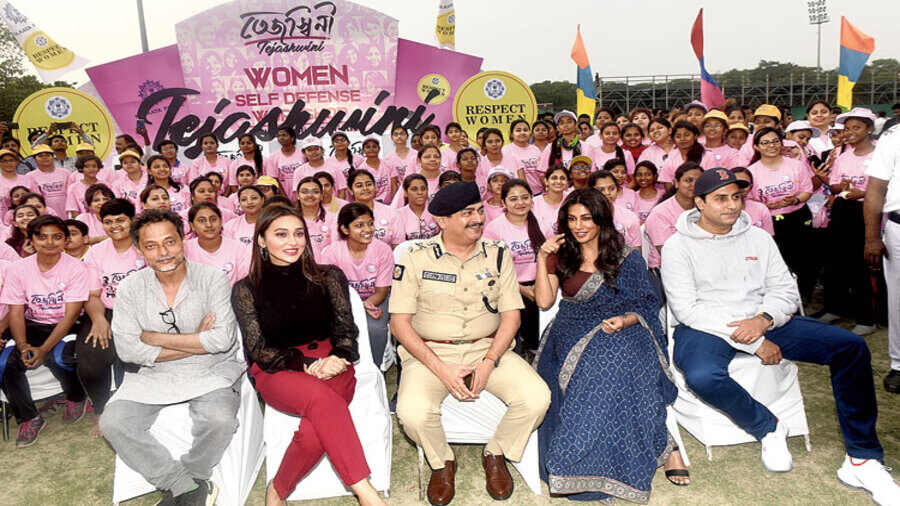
(143, 25)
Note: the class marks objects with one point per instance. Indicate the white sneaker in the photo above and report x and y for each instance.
(872, 477)
(863, 330)
(829, 318)
(775, 455)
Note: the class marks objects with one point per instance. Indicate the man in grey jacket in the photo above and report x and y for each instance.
(175, 323)
(732, 293)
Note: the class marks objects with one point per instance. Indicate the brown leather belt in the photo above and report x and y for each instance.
(460, 341)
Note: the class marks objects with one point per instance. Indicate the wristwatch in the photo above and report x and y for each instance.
(767, 316)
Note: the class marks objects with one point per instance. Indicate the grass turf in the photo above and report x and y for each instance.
(67, 467)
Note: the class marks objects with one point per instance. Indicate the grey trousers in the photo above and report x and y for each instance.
(125, 424)
(378, 332)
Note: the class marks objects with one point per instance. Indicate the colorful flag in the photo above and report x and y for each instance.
(49, 58)
(710, 92)
(586, 99)
(855, 50)
(446, 25)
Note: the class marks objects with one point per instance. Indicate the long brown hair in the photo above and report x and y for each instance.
(611, 242)
(306, 262)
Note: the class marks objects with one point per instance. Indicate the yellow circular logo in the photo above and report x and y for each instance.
(494, 100)
(65, 106)
(434, 85)
(45, 53)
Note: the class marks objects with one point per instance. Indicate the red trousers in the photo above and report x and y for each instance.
(325, 428)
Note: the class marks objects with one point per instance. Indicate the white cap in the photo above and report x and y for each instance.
(499, 170)
(803, 125)
(310, 142)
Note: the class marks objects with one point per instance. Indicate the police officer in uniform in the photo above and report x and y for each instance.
(455, 311)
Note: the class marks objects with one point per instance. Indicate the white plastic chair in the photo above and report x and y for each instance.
(776, 386)
(371, 417)
(240, 464)
(41, 382)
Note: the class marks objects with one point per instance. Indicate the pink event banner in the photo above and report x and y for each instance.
(124, 83)
(424, 69)
(261, 54)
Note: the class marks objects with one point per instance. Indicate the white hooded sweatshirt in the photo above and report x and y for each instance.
(711, 280)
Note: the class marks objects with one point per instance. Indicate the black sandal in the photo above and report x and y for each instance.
(677, 472)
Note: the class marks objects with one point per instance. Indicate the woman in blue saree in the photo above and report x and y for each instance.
(603, 358)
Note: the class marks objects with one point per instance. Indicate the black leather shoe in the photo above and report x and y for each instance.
(892, 382)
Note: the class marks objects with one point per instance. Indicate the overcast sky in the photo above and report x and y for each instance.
(532, 38)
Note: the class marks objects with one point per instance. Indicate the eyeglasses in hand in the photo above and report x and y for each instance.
(168, 317)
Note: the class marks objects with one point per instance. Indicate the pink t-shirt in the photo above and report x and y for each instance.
(518, 243)
(229, 203)
(667, 171)
(400, 167)
(600, 157)
(239, 229)
(724, 156)
(627, 223)
(281, 166)
(6, 185)
(95, 226)
(375, 269)
(45, 294)
(75, 196)
(547, 215)
(849, 167)
(656, 154)
(179, 172)
(202, 167)
(790, 178)
(626, 198)
(321, 233)
(491, 212)
(528, 160)
(410, 226)
(642, 206)
(9, 255)
(340, 170)
(448, 158)
(130, 190)
(179, 200)
(660, 225)
(52, 185)
(385, 222)
(107, 268)
(232, 257)
(759, 215)
(236, 164)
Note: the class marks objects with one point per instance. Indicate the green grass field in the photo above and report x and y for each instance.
(67, 467)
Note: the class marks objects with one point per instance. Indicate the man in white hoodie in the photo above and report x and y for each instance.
(731, 292)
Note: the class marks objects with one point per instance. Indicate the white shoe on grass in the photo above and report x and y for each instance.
(829, 318)
(872, 477)
(776, 457)
(863, 330)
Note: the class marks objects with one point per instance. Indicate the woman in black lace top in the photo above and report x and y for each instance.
(300, 343)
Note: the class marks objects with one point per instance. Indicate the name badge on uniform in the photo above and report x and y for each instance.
(439, 276)
(486, 274)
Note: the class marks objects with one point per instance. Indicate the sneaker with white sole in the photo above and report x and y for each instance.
(776, 457)
(872, 477)
(829, 318)
(863, 330)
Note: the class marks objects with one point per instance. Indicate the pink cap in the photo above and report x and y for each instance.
(310, 142)
(859, 113)
(697, 103)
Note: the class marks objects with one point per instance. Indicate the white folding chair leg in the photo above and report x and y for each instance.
(672, 425)
(808, 443)
(421, 468)
(709, 452)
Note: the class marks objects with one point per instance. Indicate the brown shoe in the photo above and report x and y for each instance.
(498, 481)
(442, 486)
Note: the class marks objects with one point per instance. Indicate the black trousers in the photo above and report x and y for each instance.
(94, 363)
(15, 383)
(848, 286)
(529, 331)
(793, 235)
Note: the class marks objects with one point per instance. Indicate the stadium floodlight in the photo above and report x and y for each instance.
(818, 15)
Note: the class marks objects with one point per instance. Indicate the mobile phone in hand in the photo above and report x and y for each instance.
(468, 379)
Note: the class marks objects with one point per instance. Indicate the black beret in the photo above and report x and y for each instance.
(454, 197)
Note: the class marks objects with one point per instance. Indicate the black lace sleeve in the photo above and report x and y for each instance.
(256, 351)
(344, 333)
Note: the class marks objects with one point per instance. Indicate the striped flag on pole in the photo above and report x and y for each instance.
(855, 50)
(710, 92)
(586, 99)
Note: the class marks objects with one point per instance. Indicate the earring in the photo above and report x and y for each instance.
(264, 253)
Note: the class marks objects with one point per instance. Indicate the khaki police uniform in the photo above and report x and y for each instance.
(461, 300)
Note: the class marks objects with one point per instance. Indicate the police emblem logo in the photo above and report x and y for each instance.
(398, 272)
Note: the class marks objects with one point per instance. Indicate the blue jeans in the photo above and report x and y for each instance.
(704, 359)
